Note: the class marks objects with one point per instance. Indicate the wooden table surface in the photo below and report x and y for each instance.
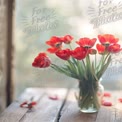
(63, 109)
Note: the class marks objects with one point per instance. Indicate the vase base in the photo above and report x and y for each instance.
(89, 110)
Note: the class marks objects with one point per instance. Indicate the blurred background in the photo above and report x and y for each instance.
(35, 21)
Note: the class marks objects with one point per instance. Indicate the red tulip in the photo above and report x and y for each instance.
(115, 48)
(41, 61)
(92, 51)
(100, 48)
(107, 39)
(86, 42)
(24, 103)
(53, 49)
(79, 53)
(67, 39)
(63, 54)
(54, 42)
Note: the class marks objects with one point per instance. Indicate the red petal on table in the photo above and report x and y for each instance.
(33, 103)
(106, 103)
(24, 103)
(120, 100)
(53, 97)
(107, 94)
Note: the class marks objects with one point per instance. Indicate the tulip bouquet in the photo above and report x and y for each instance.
(81, 63)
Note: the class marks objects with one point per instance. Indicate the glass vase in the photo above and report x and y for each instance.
(90, 96)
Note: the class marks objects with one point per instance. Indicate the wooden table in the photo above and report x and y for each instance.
(62, 109)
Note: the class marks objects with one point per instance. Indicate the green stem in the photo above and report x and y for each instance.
(95, 61)
(70, 46)
(102, 61)
(88, 95)
(106, 57)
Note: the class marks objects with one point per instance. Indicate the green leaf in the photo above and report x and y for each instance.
(89, 68)
(72, 67)
(94, 72)
(63, 70)
(103, 69)
(59, 69)
(81, 70)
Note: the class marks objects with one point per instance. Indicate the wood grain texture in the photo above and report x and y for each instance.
(118, 115)
(47, 109)
(106, 115)
(109, 115)
(114, 113)
(71, 113)
(14, 112)
(29, 93)
(63, 109)
(115, 95)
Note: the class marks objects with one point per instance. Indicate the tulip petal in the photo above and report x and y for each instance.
(63, 54)
(86, 42)
(107, 39)
(106, 103)
(41, 61)
(79, 53)
(100, 48)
